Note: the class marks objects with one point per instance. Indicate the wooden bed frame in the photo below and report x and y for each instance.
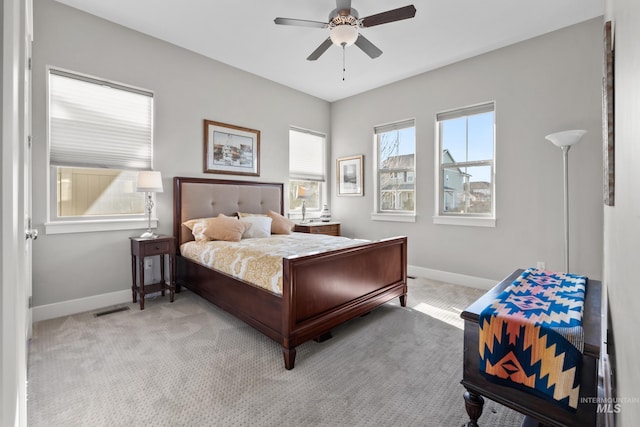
(319, 291)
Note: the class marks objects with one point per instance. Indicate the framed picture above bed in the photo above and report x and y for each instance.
(349, 176)
(230, 149)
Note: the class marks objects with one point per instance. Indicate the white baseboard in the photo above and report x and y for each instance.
(66, 308)
(74, 306)
(455, 278)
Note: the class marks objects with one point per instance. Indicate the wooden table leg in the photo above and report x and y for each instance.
(172, 285)
(141, 287)
(162, 274)
(473, 403)
(133, 281)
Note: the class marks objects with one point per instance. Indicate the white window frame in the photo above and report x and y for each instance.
(463, 219)
(79, 224)
(319, 176)
(394, 216)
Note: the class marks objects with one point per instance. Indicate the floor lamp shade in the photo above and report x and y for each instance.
(565, 140)
(149, 182)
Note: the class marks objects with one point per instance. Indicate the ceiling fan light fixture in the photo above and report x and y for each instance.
(344, 35)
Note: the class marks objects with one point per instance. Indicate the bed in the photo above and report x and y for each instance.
(319, 291)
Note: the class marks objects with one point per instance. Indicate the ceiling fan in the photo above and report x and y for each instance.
(344, 24)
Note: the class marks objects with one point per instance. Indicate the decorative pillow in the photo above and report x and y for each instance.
(197, 227)
(259, 226)
(225, 228)
(280, 224)
(221, 227)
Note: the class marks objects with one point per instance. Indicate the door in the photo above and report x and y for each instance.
(30, 232)
(15, 260)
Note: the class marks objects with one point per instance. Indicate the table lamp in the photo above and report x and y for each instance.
(303, 194)
(149, 182)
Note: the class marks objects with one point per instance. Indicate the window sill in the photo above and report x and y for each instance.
(376, 216)
(90, 226)
(465, 221)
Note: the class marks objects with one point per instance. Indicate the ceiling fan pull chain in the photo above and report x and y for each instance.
(344, 67)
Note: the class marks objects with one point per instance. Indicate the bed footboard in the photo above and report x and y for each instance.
(321, 291)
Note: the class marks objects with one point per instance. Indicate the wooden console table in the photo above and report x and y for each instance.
(543, 412)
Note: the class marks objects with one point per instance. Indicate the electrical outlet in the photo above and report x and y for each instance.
(541, 265)
(148, 263)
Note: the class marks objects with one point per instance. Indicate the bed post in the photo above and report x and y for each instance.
(289, 357)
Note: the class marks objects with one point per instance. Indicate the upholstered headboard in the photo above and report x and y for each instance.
(204, 198)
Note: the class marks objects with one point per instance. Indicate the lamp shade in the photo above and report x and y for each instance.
(344, 34)
(566, 138)
(149, 181)
(303, 193)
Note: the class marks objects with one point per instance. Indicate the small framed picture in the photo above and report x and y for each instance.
(349, 176)
(230, 149)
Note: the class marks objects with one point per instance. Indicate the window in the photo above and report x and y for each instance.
(307, 167)
(395, 169)
(100, 135)
(466, 163)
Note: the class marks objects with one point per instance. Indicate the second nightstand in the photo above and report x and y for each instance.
(144, 247)
(330, 228)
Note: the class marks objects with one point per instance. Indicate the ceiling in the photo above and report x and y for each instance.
(241, 33)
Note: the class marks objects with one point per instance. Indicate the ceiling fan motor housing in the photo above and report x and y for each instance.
(343, 27)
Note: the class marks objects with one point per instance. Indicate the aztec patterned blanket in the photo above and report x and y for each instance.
(531, 336)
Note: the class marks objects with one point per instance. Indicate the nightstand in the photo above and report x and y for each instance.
(143, 247)
(330, 228)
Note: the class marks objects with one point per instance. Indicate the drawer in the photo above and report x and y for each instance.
(318, 228)
(155, 248)
(332, 230)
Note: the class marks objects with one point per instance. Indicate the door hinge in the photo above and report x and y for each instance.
(30, 302)
(29, 63)
(29, 141)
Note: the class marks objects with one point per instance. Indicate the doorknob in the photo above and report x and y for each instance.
(31, 233)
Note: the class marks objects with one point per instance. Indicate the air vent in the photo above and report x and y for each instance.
(115, 310)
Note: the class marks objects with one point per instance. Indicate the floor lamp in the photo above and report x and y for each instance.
(149, 182)
(565, 140)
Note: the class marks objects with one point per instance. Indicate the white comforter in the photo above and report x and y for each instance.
(259, 260)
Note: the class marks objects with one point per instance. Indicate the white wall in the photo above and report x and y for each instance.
(622, 221)
(188, 88)
(543, 85)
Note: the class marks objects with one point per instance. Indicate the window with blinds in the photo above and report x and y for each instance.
(395, 146)
(307, 170)
(466, 139)
(100, 136)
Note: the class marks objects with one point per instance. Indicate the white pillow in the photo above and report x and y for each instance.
(260, 226)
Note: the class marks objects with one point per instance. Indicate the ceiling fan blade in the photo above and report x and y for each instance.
(343, 5)
(389, 16)
(300, 23)
(320, 50)
(367, 47)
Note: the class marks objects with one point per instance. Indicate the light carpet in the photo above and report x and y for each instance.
(189, 363)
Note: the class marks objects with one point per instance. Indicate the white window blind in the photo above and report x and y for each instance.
(99, 124)
(394, 126)
(306, 155)
(464, 112)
